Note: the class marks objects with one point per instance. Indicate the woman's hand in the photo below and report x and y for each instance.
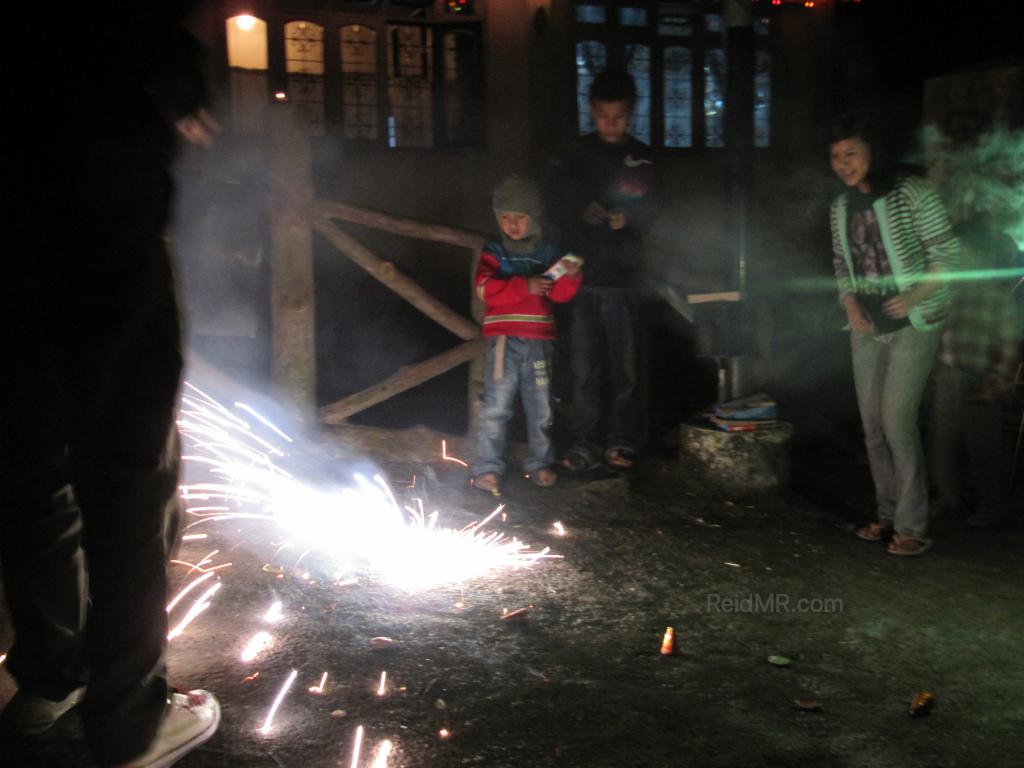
(900, 304)
(860, 321)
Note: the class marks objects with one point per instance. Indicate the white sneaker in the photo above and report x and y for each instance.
(191, 719)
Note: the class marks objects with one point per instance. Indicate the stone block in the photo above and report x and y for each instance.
(738, 463)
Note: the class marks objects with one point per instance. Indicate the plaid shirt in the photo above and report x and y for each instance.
(984, 330)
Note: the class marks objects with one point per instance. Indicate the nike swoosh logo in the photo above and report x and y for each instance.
(631, 163)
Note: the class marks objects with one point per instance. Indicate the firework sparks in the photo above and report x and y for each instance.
(259, 642)
(360, 522)
(382, 688)
(3, 658)
(273, 614)
(188, 588)
(559, 528)
(357, 747)
(320, 687)
(197, 608)
(446, 457)
(277, 702)
(383, 752)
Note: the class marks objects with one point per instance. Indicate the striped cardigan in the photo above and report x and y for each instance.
(918, 240)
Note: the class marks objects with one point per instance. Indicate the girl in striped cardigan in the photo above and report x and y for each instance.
(892, 244)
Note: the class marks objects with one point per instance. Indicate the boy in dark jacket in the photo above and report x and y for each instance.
(511, 281)
(601, 193)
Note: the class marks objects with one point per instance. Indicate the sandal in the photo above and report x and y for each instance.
(579, 460)
(488, 482)
(620, 458)
(875, 531)
(907, 546)
(544, 477)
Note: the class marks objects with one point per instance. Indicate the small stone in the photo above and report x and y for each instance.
(339, 713)
(440, 704)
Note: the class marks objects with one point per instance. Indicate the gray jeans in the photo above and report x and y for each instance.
(890, 372)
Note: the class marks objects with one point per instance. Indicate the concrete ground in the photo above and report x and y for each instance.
(580, 681)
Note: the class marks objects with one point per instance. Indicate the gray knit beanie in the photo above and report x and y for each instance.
(516, 194)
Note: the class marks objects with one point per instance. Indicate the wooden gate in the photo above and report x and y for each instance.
(294, 215)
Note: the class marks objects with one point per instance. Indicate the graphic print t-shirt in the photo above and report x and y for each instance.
(871, 267)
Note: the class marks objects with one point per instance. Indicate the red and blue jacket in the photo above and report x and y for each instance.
(511, 309)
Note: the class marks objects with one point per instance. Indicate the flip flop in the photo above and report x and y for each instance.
(578, 461)
(620, 458)
(908, 547)
(544, 477)
(488, 482)
(875, 531)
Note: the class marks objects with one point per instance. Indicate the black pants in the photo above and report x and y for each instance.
(88, 452)
(603, 357)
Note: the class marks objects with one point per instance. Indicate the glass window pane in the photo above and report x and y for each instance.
(410, 86)
(762, 99)
(359, 101)
(674, 20)
(247, 59)
(633, 17)
(591, 58)
(678, 96)
(461, 69)
(247, 42)
(638, 64)
(713, 22)
(590, 14)
(304, 66)
(714, 98)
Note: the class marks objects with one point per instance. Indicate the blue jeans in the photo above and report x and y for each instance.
(525, 368)
(890, 372)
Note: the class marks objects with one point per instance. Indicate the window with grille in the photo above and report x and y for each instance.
(675, 53)
(400, 73)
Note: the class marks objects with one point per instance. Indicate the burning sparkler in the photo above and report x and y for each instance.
(260, 642)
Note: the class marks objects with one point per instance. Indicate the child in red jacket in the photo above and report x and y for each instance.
(511, 281)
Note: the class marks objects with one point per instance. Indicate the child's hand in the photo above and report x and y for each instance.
(617, 219)
(539, 285)
(595, 213)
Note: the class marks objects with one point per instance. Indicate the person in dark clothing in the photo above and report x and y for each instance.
(88, 446)
(600, 196)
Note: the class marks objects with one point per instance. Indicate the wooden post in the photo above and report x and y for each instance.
(292, 311)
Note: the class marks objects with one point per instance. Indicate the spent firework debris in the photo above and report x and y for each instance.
(559, 528)
(381, 642)
(277, 702)
(250, 678)
(519, 614)
(668, 642)
(257, 644)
